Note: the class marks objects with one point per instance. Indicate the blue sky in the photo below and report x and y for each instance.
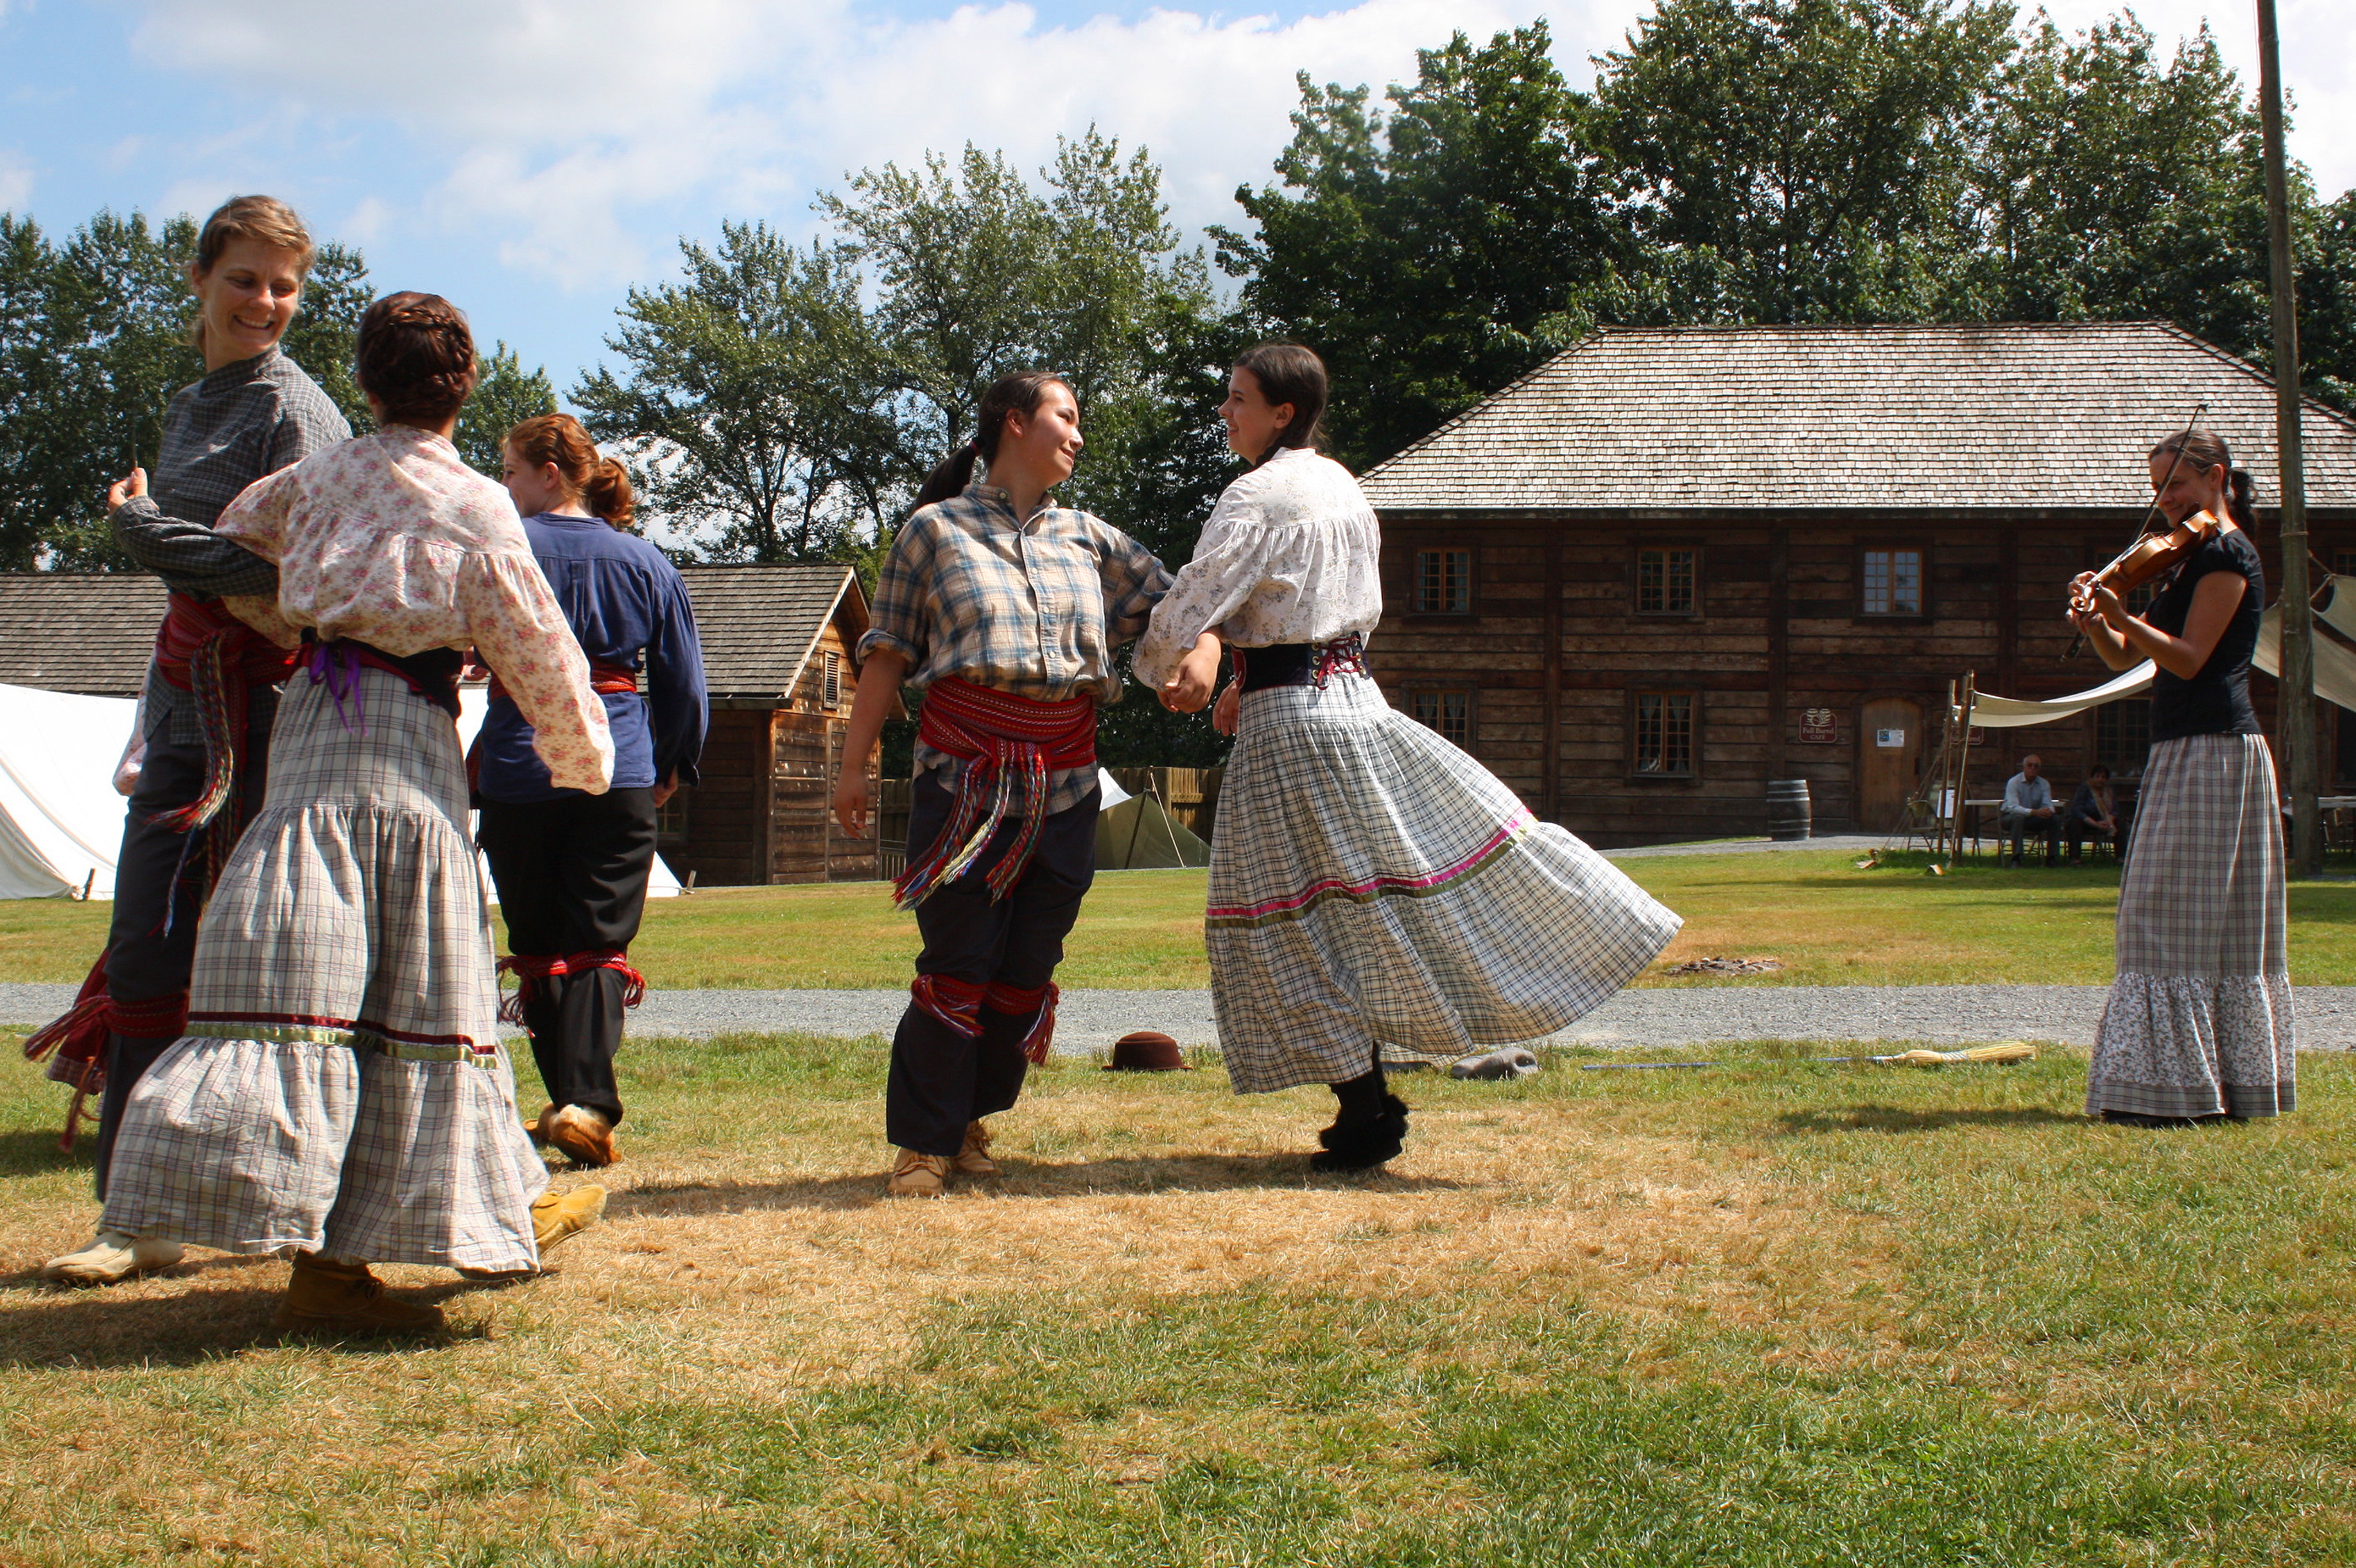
(531, 159)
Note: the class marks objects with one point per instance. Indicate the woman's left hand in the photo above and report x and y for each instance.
(127, 488)
(1231, 701)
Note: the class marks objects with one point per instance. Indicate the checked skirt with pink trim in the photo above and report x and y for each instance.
(341, 1087)
(1374, 887)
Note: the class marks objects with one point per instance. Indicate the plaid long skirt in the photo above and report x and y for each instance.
(1375, 890)
(2198, 1019)
(341, 1088)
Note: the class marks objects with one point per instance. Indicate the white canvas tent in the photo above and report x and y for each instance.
(2335, 672)
(60, 818)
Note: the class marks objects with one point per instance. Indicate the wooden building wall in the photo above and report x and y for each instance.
(1553, 647)
(760, 813)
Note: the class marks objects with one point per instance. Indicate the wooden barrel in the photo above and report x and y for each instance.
(1788, 815)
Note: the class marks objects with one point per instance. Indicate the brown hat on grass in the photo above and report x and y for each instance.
(1146, 1050)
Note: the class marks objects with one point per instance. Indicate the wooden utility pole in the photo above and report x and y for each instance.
(2296, 708)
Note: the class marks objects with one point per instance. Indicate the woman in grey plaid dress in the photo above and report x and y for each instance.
(340, 1091)
(2198, 1025)
(1375, 894)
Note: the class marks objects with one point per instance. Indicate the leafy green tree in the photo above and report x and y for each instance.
(506, 395)
(2113, 185)
(1434, 253)
(2328, 305)
(757, 400)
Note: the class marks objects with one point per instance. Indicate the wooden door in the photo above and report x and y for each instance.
(1888, 758)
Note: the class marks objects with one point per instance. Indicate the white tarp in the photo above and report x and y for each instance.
(2335, 672)
(61, 819)
(472, 703)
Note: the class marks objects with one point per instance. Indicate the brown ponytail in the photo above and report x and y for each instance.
(603, 483)
(1017, 392)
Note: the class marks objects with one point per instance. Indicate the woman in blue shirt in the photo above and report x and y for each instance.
(570, 868)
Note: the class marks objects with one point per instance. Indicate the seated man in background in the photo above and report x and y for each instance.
(2028, 808)
(2093, 814)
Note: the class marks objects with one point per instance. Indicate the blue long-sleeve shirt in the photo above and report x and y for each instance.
(628, 605)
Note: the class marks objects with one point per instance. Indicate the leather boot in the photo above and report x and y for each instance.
(326, 1297)
(973, 1159)
(1370, 1128)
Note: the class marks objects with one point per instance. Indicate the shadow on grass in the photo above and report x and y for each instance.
(1892, 1119)
(26, 1153)
(1023, 1179)
(50, 1328)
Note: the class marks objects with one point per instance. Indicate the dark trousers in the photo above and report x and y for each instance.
(2078, 833)
(941, 1079)
(2015, 825)
(572, 874)
(144, 960)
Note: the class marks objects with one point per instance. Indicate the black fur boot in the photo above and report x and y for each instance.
(1370, 1128)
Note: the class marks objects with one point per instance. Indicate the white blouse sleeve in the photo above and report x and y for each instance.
(1231, 563)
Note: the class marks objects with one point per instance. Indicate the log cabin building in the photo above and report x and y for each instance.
(776, 646)
(1671, 565)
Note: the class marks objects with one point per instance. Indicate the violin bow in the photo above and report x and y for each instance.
(2078, 642)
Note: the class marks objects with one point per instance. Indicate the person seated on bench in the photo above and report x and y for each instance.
(2093, 814)
(2028, 808)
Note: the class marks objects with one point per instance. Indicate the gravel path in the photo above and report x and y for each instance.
(1647, 1020)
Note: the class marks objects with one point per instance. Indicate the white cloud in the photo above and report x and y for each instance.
(559, 128)
(15, 181)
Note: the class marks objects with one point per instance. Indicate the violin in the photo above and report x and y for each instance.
(2148, 559)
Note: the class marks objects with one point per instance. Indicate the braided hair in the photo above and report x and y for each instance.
(416, 358)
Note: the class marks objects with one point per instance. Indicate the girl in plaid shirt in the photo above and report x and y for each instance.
(1004, 610)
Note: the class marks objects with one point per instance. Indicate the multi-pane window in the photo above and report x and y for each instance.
(1443, 582)
(1893, 582)
(670, 819)
(1663, 735)
(830, 688)
(1449, 712)
(2123, 734)
(1665, 582)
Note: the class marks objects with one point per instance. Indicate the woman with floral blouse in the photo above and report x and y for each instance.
(340, 1089)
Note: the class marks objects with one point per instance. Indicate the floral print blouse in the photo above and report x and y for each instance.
(391, 541)
(1291, 554)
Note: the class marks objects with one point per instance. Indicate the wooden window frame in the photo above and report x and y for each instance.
(674, 812)
(1434, 689)
(1922, 552)
(1637, 695)
(2119, 765)
(1636, 583)
(1471, 580)
(829, 679)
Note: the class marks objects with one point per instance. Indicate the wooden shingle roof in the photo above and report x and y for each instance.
(2014, 417)
(93, 632)
(758, 623)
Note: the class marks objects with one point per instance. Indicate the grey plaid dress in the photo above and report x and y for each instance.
(2198, 1019)
(341, 1088)
(1373, 889)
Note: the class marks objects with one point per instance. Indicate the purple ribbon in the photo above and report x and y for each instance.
(337, 666)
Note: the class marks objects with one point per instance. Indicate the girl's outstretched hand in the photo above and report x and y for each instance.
(1189, 691)
(1223, 717)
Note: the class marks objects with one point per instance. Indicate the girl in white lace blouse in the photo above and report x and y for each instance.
(1375, 894)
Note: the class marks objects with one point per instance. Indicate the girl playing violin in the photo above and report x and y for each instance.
(2199, 1024)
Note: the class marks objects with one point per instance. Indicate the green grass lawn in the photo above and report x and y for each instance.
(1783, 1315)
(1830, 924)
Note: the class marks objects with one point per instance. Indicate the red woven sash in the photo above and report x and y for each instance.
(530, 968)
(206, 651)
(1008, 745)
(605, 679)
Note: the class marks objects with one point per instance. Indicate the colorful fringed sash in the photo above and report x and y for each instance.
(959, 1004)
(530, 969)
(217, 659)
(1008, 745)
